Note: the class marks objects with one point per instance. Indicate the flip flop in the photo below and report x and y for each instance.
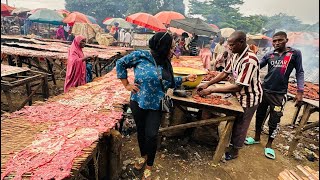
(251, 141)
(269, 153)
(229, 156)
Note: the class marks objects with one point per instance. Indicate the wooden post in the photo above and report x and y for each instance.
(114, 155)
(30, 96)
(9, 100)
(28, 87)
(295, 115)
(223, 142)
(304, 120)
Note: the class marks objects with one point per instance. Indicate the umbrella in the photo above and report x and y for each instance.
(46, 16)
(92, 19)
(76, 17)
(107, 18)
(194, 25)
(63, 12)
(226, 32)
(146, 20)
(178, 31)
(122, 23)
(214, 26)
(166, 16)
(34, 10)
(20, 10)
(5, 9)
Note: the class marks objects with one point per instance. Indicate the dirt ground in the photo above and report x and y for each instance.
(189, 160)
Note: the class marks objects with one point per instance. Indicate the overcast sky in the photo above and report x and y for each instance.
(305, 10)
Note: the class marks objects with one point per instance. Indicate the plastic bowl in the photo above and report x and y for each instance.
(185, 71)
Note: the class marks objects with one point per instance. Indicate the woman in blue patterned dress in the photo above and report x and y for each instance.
(147, 92)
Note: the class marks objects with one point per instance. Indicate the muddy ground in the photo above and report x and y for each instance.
(179, 158)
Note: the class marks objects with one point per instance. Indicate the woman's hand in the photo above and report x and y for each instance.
(202, 86)
(133, 88)
(191, 77)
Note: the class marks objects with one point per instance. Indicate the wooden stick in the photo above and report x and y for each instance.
(290, 175)
(197, 123)
(312, 172)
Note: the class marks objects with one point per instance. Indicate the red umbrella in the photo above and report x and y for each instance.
(76, 17)
(166, 16)
(107, 18)
(146, 20)
(214, 26)
(5, 9)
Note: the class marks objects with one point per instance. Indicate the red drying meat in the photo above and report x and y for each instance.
(211, 75)
(211, 99)
(311, 91)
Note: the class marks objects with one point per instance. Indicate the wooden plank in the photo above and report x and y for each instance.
(295, 175)
(224, 140)
(30, 96)
(305, 172)
(290, 175)
(197, 123)
(311, 171)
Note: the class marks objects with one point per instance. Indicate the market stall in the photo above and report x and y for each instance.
(59, 138)
(12, 77)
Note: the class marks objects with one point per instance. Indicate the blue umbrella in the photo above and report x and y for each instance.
(92, 19)
(46, 16)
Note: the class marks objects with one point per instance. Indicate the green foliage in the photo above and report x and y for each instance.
(225, 13)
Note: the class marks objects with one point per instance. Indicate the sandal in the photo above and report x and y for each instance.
(269, 153)
(251, 141)
(230, 156)
(146, 174)
(140, 163)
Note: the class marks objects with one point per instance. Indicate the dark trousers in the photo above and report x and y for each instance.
(241, 126)
(276, 103)
(148, 123)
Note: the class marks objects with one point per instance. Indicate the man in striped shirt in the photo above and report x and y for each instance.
(244, 66)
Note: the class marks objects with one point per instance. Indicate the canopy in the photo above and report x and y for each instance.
(122, 23)
(92, 19)
(107, 18)
(226, 32)
(46, 16)
(146, 20)
(20, 11)
(259, 40)
(34, 10)
(194, 25)
(166, 16)
(76, 17)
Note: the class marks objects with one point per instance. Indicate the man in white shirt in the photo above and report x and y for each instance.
(127, 39)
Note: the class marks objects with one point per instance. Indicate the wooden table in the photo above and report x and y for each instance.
(231, 112)
(12, 77)
(310, 106)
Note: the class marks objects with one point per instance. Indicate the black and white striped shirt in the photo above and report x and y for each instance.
(246, 73)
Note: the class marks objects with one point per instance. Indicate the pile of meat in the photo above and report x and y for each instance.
(77, 118)
(187, 61)
(211, 99)
(311, 91)
(211, 75)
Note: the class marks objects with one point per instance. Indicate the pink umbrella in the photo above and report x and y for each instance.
(166, 16)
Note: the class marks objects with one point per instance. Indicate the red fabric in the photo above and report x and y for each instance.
(60, 33)
(5, 8)
(76, 68)
(285, 62)
(146, 20)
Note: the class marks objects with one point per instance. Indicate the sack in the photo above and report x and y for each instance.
(166, 104)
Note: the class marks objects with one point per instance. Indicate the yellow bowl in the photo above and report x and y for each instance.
(185, 71)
